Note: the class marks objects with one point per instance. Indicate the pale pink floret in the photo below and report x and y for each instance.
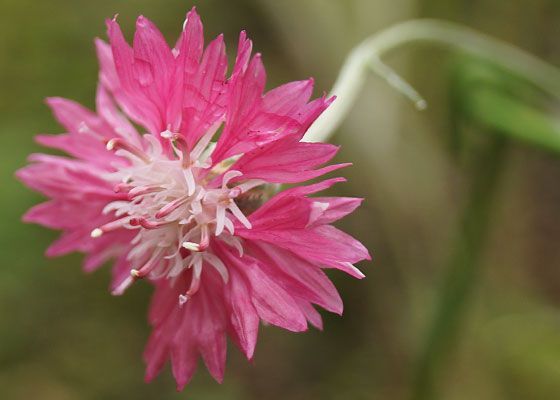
(199, 219)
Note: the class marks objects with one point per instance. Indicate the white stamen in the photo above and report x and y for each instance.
(170, 202)
(154, 143)
(218, 264)
(250, 184)
(126, 149)
(189, 178)
(191, 246)
(171, 206)
(233, 242)
(220, 219)
(204, 142)
(239, 214)
(167, 134)
(197, 267)
(228, 176)
(96, 233)
(229, 225)
(196, 207)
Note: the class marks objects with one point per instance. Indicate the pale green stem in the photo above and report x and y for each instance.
(367, 55)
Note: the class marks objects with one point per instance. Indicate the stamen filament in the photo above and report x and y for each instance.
(193, 289)
(183, 144)
(149, 266)
(204, 241)
(140, 190)
(152, 224)
(122, 187)
(171, 206)
(118, 143)
(109, 227)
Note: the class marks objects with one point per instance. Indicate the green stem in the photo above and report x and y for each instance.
(367, 55)
(461, 272)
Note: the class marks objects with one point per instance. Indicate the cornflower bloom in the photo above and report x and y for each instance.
(202, 220)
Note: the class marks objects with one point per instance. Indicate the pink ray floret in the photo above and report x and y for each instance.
(193, 204)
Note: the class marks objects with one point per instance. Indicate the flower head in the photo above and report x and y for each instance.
(192, 204)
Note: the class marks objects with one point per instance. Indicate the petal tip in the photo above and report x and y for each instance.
(141, 21)
(28, 217)
(148, 377)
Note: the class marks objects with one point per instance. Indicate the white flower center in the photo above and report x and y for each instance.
(174, 210)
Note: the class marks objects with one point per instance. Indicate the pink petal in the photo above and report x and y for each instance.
(60, 214)
(299, 191)
(309, 113)
(323, 243)
(345, 267)
(191, 44)
(244, 318)
(187, 52)
(298, 277)
(213, 347)
(156, 354)
(85, 148)
(210, 330)
(286, 161)
(118, 122)
(94, 260)
(153, 61)
(107, 74)
(121, 270)
(288, 209)
(244, 103)
(77, 119)
(355, 251)
(177, 326)
(289, 98)
(46, 214)
(204, 93)
(337, 208)
(273, 304)
(54, 176)
(184, 358)
(130, 95)
(311, 314)
(320, 244)
(244, 48)
(66, 243)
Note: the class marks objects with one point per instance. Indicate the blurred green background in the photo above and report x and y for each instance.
(63, 336)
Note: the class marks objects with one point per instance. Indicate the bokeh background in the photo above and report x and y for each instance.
(489, 274)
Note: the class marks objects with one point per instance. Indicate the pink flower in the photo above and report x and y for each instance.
(199, 219)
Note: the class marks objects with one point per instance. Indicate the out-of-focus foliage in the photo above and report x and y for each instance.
(505, 104)
(64, 337)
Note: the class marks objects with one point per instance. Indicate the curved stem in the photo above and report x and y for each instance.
(367, 55)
